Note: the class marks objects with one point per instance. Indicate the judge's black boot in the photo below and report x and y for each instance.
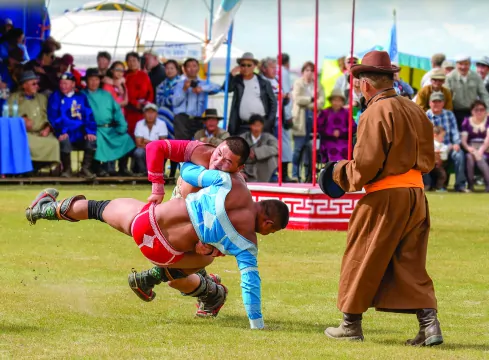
(66, 162)
(85, 171)
(349, 329)
(429, 329)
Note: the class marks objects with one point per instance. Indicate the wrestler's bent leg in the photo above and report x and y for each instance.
(118, 213)
(208, 290)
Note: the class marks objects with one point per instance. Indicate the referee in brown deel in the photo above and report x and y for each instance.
(384, 265)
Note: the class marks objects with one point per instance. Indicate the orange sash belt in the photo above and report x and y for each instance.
(412, 178)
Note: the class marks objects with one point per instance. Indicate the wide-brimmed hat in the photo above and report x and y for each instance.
(337, 93)
(92, 72)
(438, 74)
(210, 114)
(375, 61)
(27, 76)
(247, 56)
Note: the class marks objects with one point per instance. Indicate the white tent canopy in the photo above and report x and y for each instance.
(83, 33)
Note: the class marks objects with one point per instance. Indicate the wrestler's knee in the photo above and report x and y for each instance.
(180, 276)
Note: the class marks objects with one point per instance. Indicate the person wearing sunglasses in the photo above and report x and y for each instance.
(43, 145)
(253, 95)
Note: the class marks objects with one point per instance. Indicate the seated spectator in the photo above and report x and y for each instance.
(103, 62)
(437, 81)
(475, 140)
(333, 128)
(113, 141)
(263, 159)
(43, 68)
(139, 91)
(212, 133)
(438, 175)
(72, 120)
(149, 129)
(43, 145)
(445, 118)
(115, 83)
(66, 65)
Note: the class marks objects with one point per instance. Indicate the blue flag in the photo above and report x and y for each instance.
(393, 53)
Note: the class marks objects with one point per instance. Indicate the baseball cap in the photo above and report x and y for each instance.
(437, 96)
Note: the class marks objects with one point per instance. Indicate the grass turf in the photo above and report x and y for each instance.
(64, 292)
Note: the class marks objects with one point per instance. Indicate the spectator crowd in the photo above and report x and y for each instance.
(116, 108)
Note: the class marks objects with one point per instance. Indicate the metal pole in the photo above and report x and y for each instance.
(315, 116)
(350, 107)
(228, 70)
(279, 100)
(209, 39)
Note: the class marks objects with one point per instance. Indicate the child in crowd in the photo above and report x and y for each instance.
(333, 129)
(439, 174)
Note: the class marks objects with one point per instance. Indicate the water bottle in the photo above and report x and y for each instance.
(15, 109)
(5, 110)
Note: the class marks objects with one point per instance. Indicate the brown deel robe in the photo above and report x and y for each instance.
(384, 265)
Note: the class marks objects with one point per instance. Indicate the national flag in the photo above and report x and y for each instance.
(220, 27)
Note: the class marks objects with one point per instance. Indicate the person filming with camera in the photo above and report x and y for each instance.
(189, 100)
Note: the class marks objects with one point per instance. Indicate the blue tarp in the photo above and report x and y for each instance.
(32, 17)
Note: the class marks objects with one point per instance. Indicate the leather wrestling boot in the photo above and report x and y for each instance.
(349, 329)
(212, 300)
(45, 206)
(429, 329)
(142, 283)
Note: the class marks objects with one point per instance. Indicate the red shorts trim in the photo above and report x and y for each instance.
(147, 235)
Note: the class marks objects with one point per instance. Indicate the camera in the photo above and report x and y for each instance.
(194, 83)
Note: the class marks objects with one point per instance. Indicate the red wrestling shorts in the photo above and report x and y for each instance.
(151, 242)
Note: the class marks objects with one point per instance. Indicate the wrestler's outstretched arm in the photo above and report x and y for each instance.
(251, 288)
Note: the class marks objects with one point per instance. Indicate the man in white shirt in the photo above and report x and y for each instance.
(252, 95)
(149, 129)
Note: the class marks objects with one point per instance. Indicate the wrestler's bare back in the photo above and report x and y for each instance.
(173, 218)
(175, 224)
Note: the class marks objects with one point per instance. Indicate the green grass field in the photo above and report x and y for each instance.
(64, 292)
